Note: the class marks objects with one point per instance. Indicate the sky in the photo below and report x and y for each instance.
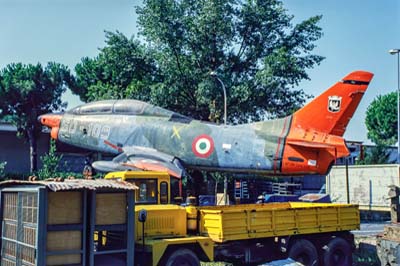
(357, 36)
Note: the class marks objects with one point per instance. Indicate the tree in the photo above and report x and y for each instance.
(381, 119)
(376, 155)
(257, 52)
(28, 91)
(121, 70)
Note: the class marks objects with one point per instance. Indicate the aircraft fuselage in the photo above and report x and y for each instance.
(202, 145)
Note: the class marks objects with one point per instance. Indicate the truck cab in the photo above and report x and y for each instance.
(154, 187)
(162, 238)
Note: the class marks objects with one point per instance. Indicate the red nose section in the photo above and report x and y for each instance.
(52, 121)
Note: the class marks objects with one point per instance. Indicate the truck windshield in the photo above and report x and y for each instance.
(147, 193)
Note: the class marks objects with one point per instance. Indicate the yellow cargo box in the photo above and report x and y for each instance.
(238, 222)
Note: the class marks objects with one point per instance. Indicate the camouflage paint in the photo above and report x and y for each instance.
(248, 147)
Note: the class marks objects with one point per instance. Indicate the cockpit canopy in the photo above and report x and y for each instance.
(124, 107)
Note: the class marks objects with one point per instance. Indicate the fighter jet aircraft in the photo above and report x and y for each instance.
(148, 137)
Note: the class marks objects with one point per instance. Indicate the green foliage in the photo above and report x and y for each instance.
(28, 91)
(2, 167)
(50, 162)
(121, 70)
(253, 46)
(381, 119)
(376, 155)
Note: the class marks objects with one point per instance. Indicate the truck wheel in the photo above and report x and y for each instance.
(182, 257)
(304, 251)
(337, 252)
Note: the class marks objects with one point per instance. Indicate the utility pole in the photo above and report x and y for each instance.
(393, 52)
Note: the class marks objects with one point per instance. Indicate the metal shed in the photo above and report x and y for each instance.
(74, 222)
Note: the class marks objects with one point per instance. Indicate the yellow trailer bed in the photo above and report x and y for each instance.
(239, 222)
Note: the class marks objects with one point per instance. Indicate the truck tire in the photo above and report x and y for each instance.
(182, 257)
(337, 252)
(304, 251)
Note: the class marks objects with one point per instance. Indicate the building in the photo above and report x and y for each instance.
(358, 150)
(15, 151)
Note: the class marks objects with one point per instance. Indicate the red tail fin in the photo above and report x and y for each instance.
(332, 110)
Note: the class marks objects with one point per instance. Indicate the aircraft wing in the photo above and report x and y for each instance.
(140, 158)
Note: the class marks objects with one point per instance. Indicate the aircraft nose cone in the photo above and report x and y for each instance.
(50, 120)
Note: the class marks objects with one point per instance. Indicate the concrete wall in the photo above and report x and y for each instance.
(368, 185)
(15, 151)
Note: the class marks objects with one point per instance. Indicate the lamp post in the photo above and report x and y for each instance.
(214, 75)
(393, 52)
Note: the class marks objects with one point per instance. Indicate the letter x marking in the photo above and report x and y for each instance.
(176, 132)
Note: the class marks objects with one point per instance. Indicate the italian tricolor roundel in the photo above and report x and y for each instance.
(203, 146)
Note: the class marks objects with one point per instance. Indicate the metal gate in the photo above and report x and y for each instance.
(19, 224)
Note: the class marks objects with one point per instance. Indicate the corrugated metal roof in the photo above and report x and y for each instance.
(73, 184)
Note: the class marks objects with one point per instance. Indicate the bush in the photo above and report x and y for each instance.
(2, 167)
(50, 162)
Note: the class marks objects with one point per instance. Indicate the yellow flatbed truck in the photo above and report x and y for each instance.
(170, 234)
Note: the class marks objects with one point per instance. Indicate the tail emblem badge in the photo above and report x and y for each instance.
(334, 103)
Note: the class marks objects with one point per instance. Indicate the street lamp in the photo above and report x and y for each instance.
(393, 52)
(214, 75)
